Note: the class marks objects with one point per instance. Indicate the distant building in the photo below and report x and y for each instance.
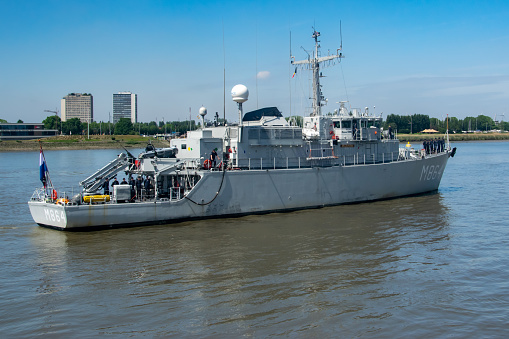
(25, 131)
(78, 105)
(125, 105)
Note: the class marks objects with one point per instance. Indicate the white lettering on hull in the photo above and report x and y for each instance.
(430, 172)
(53, 215)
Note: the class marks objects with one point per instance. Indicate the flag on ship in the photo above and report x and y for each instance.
(294, 72)
(43, 169)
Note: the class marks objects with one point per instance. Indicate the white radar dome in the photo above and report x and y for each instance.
(203, 111)
(240, 93)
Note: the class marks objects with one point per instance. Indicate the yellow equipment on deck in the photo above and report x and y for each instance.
(96, 198)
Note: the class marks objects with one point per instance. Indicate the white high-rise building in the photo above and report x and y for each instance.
(78, 105)
(125, 105)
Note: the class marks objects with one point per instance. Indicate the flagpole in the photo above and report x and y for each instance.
(447, 132)
(49, 184)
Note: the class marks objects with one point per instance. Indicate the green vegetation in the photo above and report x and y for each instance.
(124, 126)
(455, 137)
(52, 122)
(81, 142)
(64, 141)
(418, 122)
(295, 119)
(409, 124)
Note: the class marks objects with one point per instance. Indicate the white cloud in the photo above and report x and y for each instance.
(263, 75)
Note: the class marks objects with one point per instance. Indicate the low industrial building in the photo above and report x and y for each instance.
(23, 131)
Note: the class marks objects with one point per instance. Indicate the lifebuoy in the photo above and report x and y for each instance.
(207, 164)
(54, 195)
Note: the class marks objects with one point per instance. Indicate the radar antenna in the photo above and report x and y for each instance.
(314, 63)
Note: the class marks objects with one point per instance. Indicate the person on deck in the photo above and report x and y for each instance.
(132, 183)
(213, 156)
(139, 185)
(106, 186)
(148, 186)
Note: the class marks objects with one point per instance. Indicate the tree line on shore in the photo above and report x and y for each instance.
(123, 127)
(416, 123)
(405, 124)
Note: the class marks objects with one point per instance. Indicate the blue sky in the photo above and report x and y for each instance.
(402, 57)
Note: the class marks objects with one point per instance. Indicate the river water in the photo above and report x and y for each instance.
(428, 266)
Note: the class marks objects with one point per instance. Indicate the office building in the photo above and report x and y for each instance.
(125, 105)
(78, 105)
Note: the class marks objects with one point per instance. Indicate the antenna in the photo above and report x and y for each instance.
(289, 80)
(224, 81)
(341, 37)
(256, 53)
(314, 64)
(290, 44)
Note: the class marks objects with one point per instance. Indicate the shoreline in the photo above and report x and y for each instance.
(81, 143)
(458, 137)
(133, 141)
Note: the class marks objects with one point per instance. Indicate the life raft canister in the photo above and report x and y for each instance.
(207, 164)
(62, 201)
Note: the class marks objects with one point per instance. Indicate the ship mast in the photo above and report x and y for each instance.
(314, 63)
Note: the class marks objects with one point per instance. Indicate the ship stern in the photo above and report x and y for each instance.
(48, 214)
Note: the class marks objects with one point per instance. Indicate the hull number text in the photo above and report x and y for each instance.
(52, 215)
(430, 172)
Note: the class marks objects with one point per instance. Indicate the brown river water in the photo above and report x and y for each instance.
(435, 265)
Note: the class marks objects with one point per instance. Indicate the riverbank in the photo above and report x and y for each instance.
(68, 142)
(455, 137)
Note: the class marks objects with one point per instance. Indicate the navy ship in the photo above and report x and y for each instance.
(263, 164)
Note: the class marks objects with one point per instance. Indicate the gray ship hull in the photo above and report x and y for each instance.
(242, 192)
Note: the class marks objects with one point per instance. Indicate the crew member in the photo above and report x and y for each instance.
(148, 185)
(139, 185)
(132, 183)
(123, 182)
(213, 156)
(106, 186)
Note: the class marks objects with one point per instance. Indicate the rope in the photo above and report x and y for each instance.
(217, 193)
